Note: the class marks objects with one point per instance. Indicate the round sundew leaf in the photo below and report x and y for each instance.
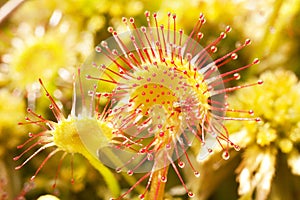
(163, 85)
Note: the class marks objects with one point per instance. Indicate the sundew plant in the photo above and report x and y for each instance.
(140, 102)
(149, 100)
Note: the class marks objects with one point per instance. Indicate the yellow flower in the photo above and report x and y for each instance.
(50, 42)
(256, 172)
(277, 104)
(11, 111)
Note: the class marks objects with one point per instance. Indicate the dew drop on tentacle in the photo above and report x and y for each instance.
(225, 155)
(181, 164)
(118, 170)
(237, 147)
(197, 174)
(163, 179)
(130, 172)
(141, 196)
(191, 194)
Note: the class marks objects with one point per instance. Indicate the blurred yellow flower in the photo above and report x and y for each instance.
(11, 112)
(277, 104)
(34, 48)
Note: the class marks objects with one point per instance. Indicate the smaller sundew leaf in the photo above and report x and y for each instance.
(63, 136)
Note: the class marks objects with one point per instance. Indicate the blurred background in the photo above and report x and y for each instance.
(51, 39)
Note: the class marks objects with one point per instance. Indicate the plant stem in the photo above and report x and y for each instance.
(108, 176)
(157, 189)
